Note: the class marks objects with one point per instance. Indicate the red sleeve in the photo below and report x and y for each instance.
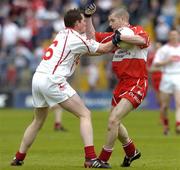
(138, 30)
(103, 37)
(150, 59)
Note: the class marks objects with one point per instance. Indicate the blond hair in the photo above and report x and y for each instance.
(121, 13)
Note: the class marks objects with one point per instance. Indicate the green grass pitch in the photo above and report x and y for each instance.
(64, 150)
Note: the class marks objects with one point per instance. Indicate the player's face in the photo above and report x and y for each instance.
(82, 25)
(173, 36)
(115, 22)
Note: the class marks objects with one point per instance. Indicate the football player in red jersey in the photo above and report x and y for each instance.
(155, 73)
(129, 66)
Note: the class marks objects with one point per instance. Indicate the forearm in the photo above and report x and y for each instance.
(135, 39)
(90, 30)
(106, 47)
(153, 68)
(162, 63)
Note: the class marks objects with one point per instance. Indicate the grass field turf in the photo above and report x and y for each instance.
(64, 150)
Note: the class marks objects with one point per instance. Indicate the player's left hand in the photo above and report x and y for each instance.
(89, 10)
(116, 38)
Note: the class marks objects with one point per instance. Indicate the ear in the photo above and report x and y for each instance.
(76, 25)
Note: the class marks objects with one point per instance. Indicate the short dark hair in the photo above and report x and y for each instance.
(71, 17)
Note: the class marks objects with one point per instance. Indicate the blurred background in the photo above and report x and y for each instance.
(28, 26)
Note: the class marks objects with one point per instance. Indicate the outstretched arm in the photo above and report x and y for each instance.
(153, 68)
(109, 46)
(90, 30)
(88, 12)
(165, 62)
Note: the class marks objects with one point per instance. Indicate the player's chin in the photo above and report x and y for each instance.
(83, 30)
(114, 29)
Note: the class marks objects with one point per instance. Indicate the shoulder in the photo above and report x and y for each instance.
(75, 37)
(103, 36)
(163, 49)
(138, 29)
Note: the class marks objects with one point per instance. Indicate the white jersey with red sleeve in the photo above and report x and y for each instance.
(168, 51)
(63, 54)
(129, 63)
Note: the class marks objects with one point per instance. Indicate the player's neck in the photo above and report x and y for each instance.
(174, 43)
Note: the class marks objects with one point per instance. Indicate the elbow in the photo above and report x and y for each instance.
(157, 65)
(142, 42)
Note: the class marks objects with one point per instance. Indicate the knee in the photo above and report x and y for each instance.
(86, 115)
(113, 123)
(178, 105)
(164, 107)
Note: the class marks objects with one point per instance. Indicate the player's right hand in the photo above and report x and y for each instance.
(89, 10)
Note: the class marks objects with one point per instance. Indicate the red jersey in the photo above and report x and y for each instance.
(155, 76)
(128, 63)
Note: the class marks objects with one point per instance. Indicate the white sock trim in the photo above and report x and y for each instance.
(125, 145)
(107, 149)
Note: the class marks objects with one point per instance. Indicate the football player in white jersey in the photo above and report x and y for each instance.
(168, 58)
(49, 85)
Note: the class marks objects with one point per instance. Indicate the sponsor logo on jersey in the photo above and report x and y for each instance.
(121, 53)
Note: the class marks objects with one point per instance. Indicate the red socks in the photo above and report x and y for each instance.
(105, 154)
(57, 125)
(20, 156)
(90, 152)
(177, 124)
(129, 148)
(165, 122)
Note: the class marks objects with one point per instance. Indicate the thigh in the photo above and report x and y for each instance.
(165, 98)
(176, 82)
(38, 98)
(75, 105)
(177, 98)
(133, 90)
(57, 92)
(156, 79)
(166, 84)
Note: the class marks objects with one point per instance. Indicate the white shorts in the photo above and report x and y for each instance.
(170, 83)
(46, 92)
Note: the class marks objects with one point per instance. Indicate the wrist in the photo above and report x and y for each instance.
(87, 15)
